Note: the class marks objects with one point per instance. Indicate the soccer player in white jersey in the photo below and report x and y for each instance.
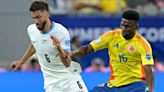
(51, 42)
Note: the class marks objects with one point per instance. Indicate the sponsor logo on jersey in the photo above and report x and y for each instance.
(116, 45)
(67, 42)
(148, 56)
(131, 48)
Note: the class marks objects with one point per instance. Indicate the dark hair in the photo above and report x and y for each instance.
(131, 15)
(39, 5)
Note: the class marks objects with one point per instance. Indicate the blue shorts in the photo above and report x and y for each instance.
(133, 87)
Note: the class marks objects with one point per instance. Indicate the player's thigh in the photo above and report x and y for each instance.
(77, 85)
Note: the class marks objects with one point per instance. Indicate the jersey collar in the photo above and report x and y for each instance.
(53, 25)
(131, 38)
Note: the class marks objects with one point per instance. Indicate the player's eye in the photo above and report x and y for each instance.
(38, 17)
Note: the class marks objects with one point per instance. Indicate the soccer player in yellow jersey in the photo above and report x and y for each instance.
(130, 54)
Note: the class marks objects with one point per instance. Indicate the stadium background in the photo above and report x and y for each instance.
(14, 18)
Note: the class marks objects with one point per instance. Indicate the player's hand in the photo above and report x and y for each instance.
(55, 41)
(71, 54)
(15, 65)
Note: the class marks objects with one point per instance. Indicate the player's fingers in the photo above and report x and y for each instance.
(56, 39)
(16, 68)
(11, 67)
(53, 39)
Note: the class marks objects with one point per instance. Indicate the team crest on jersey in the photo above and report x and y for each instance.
(148, 56)
(67, 42)
(116, 45)
(131, 48)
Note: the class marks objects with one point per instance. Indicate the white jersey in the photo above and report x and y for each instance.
(51, 65)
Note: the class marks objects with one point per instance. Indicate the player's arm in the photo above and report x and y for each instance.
(29, 52)
(64, 56)
(147, 62)
(149, 76)
(98, 44)
(82, 51)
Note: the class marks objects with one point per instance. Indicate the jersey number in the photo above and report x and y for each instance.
(123, 58)
(47, 58)
(79, 84)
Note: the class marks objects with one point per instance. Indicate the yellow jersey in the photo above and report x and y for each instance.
(127, 57)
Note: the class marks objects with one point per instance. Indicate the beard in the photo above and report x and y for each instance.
(128, 35)
(41, 28)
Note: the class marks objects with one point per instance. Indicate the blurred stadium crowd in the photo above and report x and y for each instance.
(98, 8)
(106, 7)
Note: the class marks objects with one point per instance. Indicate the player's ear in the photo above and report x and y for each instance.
(47, 13)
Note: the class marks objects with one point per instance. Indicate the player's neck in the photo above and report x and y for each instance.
(128, 37)
(48, 26)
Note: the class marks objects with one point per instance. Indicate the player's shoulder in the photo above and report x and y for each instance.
(31, 27)
(142, 40)
(60, 27)
(117, 31)
(112, 33)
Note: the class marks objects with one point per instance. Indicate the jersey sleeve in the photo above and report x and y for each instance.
(102, 41)
(146, 52)
(65, 42)
(29, 30)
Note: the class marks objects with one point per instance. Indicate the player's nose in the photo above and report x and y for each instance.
(36, 22)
